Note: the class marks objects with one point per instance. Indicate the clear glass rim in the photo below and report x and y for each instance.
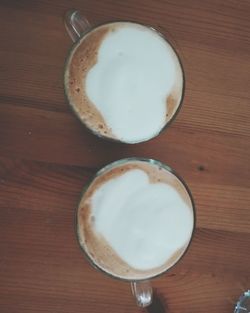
(92, 28)
(110, 166)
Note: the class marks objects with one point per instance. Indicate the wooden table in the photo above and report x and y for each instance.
(47, 157)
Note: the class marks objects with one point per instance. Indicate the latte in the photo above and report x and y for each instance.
(135, 220)
(124, 81)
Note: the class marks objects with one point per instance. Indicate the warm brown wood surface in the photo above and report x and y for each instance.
(46, 157)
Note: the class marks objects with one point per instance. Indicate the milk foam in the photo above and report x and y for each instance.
(145, 223)
(135, 72)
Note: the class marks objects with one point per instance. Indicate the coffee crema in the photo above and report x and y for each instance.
(124, 81)
(135, 220)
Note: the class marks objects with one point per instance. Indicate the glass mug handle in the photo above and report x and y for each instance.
(143, 293)
(76, 25)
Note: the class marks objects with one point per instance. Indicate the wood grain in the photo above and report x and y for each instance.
(47, 156)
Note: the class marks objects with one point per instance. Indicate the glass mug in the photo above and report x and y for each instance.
(140, 287)
(79, 30)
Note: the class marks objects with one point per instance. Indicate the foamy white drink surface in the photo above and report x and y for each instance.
(124, 81)
(144, 223)
(135, 220)
(136, 71)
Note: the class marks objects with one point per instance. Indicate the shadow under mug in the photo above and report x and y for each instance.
(77, 27)
(141, 288)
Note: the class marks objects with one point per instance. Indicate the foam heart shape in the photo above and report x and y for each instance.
(144, 222)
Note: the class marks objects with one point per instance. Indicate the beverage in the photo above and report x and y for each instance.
(136, 219)
(124, 81)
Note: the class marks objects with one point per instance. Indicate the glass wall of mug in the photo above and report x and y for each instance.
(135, 221)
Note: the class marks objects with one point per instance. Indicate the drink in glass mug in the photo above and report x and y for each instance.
(124, 80)
(135, 220)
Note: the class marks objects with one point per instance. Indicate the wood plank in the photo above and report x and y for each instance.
(57, 137)
(56, 189)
